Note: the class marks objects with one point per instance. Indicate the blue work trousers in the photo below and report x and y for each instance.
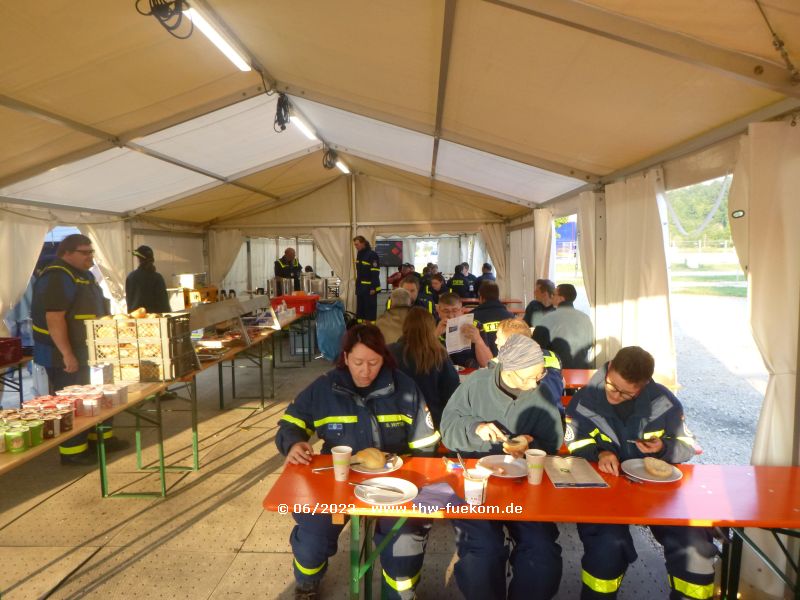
(315, 539)
(689, 553)
(533, 555)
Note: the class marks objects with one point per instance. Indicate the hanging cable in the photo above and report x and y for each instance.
(723, 192)
(329, 158)
(281, 114)
(169, 15)
(780, 46)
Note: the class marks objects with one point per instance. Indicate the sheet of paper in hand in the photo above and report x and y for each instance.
(455, 341)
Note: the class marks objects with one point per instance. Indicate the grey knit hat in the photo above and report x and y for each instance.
(520, 352)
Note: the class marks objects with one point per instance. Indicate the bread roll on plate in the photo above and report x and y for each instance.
(371, 458)
(657, 468)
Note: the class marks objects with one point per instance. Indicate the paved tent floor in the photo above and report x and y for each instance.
(210, 537)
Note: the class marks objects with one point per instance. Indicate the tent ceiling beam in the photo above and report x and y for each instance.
(260, 209)
(709, 138)
(64, 159)
(118, 141)
(444, 67)
(8, 203)
(418, 127)
(51, 117)
(674, 45)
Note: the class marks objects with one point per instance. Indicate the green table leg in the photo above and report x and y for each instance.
(101, 457)
(355, 557)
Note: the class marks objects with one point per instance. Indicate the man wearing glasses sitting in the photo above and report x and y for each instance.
(623, 414)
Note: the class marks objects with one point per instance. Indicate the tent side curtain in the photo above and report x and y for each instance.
(521, 242)
(110, 241)
(335, 245)
(635, 309)
(587, 202)
(765, 184)
(223, 247)
(494, 236)
(21, 239)
(543, 244)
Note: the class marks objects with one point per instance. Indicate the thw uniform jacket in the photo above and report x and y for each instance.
(392, 417)
(593, 425)
(487, 317)
(367, 272)
(62, 287)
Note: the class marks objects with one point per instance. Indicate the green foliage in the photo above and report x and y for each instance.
(558, 222)
(692, 204)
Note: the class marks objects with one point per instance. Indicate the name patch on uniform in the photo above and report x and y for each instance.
(335, 427)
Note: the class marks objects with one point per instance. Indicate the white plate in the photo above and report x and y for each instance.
(635, 468)
(375, 496)
(514, 467)
(390, 466)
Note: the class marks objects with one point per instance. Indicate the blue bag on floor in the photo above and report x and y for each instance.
(330, 327)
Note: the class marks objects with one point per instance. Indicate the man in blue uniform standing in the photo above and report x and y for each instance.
(368, 283)
(288, 266)
(623, 403)
(470, 280)
(145, 287)
(64, 295)
(488, 314)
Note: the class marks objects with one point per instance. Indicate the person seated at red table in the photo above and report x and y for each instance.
(391, 322)
(420, 356)
(623, 403)
(435, 288)
(410, 283)
(552, 384)
(506, 398)
(488, 314)
(486, 275)
(542, 303)
(478, 354)
(365, 402)
(567, 331)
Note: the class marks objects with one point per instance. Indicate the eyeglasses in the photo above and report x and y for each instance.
(86, 252)
(623, 395)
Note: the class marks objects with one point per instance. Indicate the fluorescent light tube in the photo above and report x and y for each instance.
(216, 39)
(342, 167)
(304, 129)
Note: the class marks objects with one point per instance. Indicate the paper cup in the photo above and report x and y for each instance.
(475, 485)
(341, 462)
(535, 460)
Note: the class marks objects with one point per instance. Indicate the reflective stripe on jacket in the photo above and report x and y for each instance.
(392, 417)
(367, 271)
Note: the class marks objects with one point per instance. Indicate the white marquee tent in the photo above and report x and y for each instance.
(487, 117)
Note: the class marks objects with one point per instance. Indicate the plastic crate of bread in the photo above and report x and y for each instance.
(137, 325)
(153, 369)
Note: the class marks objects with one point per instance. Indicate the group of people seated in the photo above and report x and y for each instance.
(402, 394)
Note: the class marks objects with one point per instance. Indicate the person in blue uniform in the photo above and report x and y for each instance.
(64, 295)
(145, 287)
(622, 403)
(486, 275)
(410, 283)
(491, 401)
(542, 303)
(488, 314)
(365, 402)
(288, 266)
(471, 281)
(457, 284)
(368, 283)
(478, 354)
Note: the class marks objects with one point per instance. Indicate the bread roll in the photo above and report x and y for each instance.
(371, 458)
(657, 468)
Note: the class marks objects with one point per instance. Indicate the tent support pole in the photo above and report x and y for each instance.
(600, 300)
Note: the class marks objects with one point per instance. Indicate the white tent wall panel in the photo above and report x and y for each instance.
(521, 264)
(174, 253)
(232, 140)
(116, 180)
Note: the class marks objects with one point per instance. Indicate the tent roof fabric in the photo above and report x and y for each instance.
(508, 103)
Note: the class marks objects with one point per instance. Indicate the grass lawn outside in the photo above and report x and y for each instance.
(738, 292)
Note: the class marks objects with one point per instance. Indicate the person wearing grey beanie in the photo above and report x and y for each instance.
(491, 407)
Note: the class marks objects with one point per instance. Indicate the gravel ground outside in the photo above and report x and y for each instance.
(721, 374)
